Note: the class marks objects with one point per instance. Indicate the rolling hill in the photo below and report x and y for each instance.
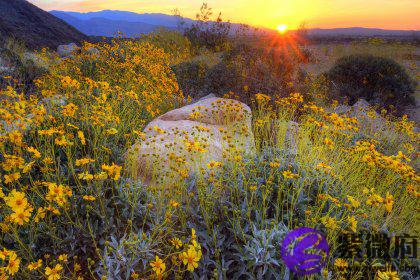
(34, 27)
(99, 26)
(108, 23)
(170, 21)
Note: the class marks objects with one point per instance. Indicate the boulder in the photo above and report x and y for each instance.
(188, 140)
(92, 51)
(37, 60)
(371, 123)
(67, 50)
(6, 68)
(211, 95)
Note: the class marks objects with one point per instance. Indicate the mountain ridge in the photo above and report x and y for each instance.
(155, 20)
(34, 27)
(98, 26)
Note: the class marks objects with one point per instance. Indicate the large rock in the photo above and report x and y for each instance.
(186, 140)
(67, 50)
(36, 59)
(370, 122)
(368, 118)
(6, 68)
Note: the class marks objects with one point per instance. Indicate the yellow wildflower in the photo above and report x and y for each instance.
(21, 215)
(191, 259)
(353, 223)
(63, 258)
(34, 151)
(329, 222)
(10, 178)
(387, 275)
(84, 161)
(85, 176)
(89, 198)
(16, 200)
(341, 264)
(158, 266)
(176, 242)
(113, 170)
(13, 264)
(353, 201)
(69, 110)
(35, 265)
(389, 202)
(40, 214)
(81, 137)
(329, 142)
(111, 131)
(289, 175)
(262, 97)
(213, 164)
(53, 273)
(62, 141)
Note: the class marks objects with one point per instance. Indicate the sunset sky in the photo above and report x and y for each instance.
(388, 14)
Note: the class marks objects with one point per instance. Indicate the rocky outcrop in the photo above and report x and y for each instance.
(190, 139)
(5, 67)
(67, 50)
(369, 120)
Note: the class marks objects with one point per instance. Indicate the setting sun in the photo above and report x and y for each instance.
(282, 28)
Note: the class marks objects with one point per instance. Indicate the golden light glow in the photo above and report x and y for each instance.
(401, 14)
(282, 28)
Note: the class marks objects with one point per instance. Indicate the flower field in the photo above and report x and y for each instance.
(71, 208)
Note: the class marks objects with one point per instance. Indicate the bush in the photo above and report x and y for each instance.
(24, 67)
(204, 32)
(378, 80)
(177, 46)
(191, 77)
(245, 70)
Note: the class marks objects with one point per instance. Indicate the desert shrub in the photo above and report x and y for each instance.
(191, 76)
(245, 70)
(378, 80)
(306, 55)
(172, 42)
(207, 33)
(20, 66)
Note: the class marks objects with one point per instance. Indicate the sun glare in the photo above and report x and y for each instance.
(282, 28)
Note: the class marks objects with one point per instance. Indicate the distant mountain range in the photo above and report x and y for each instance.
(34, 27)
(109, 22)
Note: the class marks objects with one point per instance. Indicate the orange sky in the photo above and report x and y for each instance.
(388, 14)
